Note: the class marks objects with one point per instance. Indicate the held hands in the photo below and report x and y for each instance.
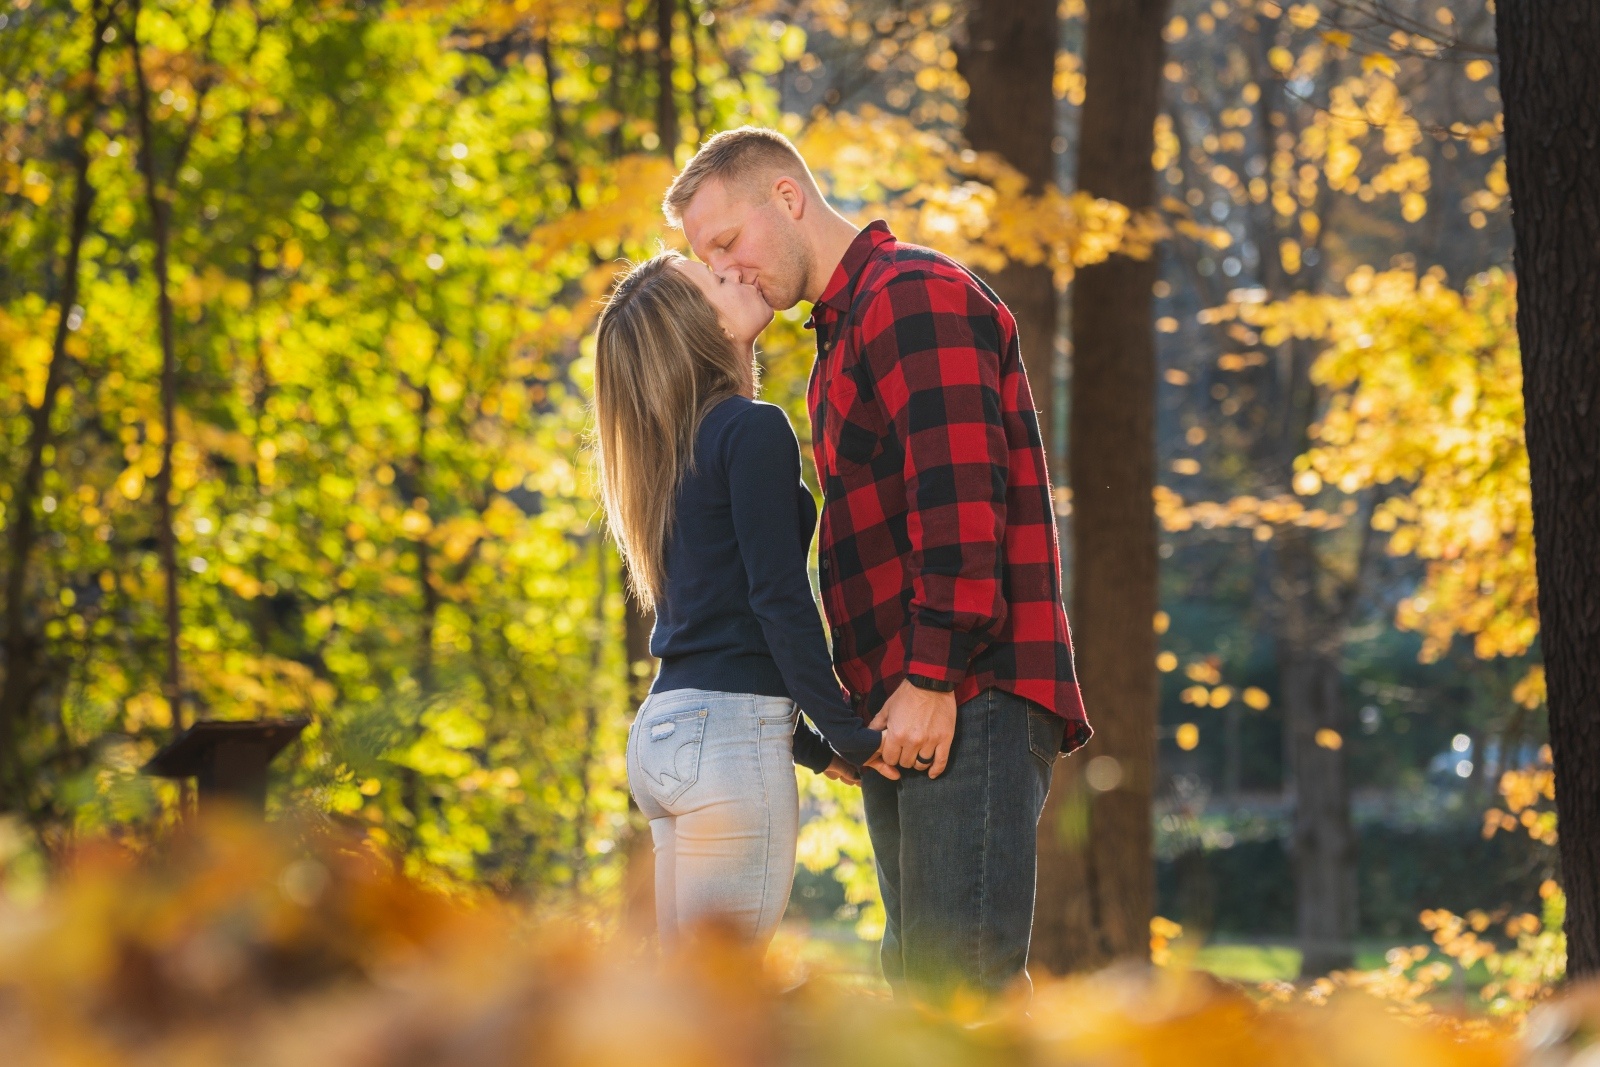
(918, 726)
(842, 770)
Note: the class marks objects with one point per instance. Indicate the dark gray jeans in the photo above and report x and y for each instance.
(957, 854)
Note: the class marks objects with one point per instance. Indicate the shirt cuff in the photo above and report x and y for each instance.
(937, 654)
(933, 685)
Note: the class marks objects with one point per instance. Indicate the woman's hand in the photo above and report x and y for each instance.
(887, 770)
(877, 763)
(841, 770)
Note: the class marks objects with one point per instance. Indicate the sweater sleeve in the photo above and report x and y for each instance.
(810, 750)
(762, 458)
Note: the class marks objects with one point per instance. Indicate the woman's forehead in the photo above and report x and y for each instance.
(684, 263)
(693, 268)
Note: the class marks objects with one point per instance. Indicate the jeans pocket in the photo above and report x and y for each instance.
(776, 711)
(1045, 733)
(668, 745)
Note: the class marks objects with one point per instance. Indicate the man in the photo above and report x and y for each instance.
(940, 568)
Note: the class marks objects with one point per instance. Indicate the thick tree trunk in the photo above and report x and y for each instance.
(1311, 683)
(1096, 870)
(1310, 622)
(21, 641)
(1550, 81)
(1009, 64)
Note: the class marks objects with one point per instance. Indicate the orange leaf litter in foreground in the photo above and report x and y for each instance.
(242, 944)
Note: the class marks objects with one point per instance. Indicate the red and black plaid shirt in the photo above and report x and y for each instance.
(939, 556)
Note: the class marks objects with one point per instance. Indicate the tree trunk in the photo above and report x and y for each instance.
(422, 546)
(637, 624)
(639, 873)
(160, 206)
(558, 126)
(591, 714)
(21, 642)
(614, 83)
(1232, 754)
(1097, 886)
(666, 104)
(412, 488)
(1009, 64)
(1311, 683)
(1550, 81)
(697, 94)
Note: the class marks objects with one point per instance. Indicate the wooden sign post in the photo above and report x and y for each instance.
(227, 759)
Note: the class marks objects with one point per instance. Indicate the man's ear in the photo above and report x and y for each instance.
(788, 193)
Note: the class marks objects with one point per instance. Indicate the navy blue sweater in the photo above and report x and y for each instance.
(738, 616)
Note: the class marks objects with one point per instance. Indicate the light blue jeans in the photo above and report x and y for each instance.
(714, 774)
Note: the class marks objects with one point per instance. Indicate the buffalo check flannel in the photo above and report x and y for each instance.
(939, 556)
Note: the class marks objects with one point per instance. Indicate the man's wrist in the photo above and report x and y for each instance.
(932, 685)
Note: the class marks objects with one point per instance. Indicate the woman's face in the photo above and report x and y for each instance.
(740, 308)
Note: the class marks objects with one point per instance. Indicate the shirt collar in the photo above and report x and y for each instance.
(837, 295)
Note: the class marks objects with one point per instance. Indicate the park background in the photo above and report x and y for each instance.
(296, 310)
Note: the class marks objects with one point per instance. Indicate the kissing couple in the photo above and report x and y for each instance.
(939, 564)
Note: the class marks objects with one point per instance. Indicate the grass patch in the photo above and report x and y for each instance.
(1250, 963)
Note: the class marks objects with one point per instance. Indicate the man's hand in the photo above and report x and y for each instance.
(918, 726)
(841, 770)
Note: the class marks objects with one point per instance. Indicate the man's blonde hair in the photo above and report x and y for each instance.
(744, 157)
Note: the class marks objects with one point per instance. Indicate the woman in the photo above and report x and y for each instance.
(701, 486)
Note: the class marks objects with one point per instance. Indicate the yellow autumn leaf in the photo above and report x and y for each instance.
(1379, 63)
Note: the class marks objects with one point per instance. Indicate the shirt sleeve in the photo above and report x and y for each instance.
(933, 345)
(763, 463)
(810, 750)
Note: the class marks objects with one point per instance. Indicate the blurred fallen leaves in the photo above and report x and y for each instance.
(235, 943)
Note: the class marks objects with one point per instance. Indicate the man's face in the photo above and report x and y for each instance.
(755, 237)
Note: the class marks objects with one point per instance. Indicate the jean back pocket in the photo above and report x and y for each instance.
(1045, 733)
(669, 751)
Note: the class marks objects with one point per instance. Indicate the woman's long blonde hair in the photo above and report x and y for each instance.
(662, 361)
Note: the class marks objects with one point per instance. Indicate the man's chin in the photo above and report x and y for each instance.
(774, 301)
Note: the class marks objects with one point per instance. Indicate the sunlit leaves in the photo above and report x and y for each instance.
(367, 382)
(1427, 397)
